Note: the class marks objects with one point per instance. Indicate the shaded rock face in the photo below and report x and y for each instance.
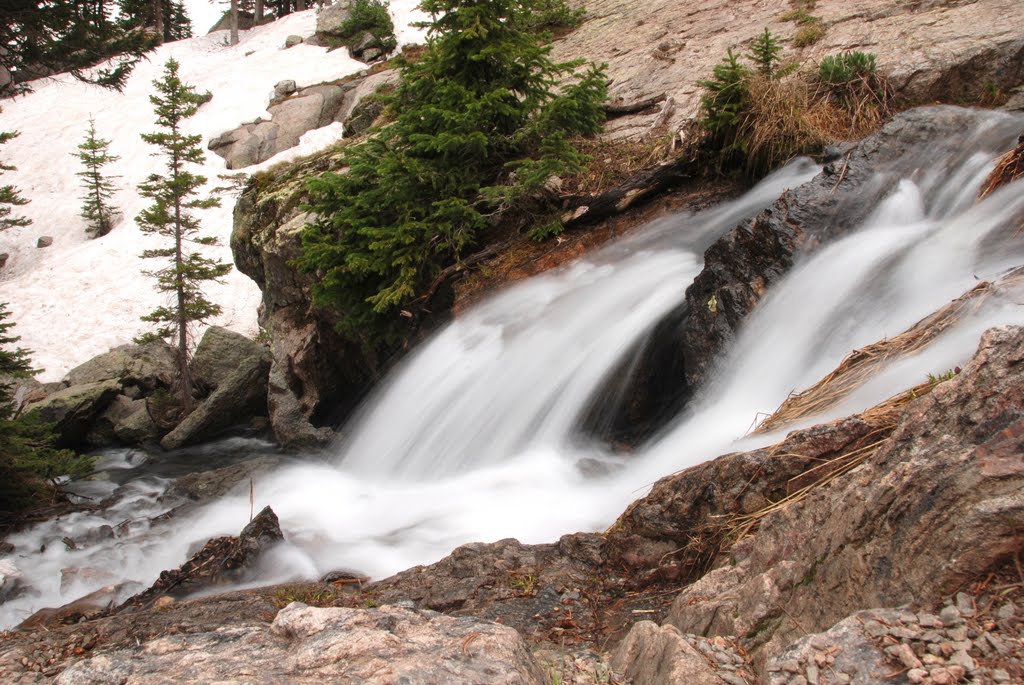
(307, 645)
(744, 263)
(666, 47)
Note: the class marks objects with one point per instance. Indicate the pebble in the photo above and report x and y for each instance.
(926, 620)
(1007, 611)
(731, 678)
(798, 680)
(917, 675)
(812, 675)
(907, 657)
(962, 658)
(965, 604)
(790, 666)
(1000, 676)
(950, 615)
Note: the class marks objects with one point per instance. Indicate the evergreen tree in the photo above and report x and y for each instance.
(28, 457)
(9, 195)
(478, 104)
(765, 53)
(174, 22)
(96, 209)
(174, 195)
(42, 37)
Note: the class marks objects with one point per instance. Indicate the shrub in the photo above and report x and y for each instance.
(725, 97)
(764, 53)
(846, 68)
(371, 16)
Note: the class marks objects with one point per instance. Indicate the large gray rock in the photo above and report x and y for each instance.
(252, 143)
(138, 428)
(238, 396)
(147, 366)
(337, 645)
(219, 354)
(331, 18)
(73, 410)
(667, 47)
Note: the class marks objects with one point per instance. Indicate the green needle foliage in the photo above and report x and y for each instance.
(9, 195)
(480, 126)
(170, 217)
(764, 53)
(372, 16)
(28, 458)
(94, 154)
(724, 100)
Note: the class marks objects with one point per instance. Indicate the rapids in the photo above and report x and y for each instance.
(476, 436)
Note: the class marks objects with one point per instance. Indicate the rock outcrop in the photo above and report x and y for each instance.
(292, 114)
(311, 645)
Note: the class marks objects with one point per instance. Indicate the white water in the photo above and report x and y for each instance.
(475, 437)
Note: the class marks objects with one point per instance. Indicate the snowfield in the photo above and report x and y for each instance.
(80, 297)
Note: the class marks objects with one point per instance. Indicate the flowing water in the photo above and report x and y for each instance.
(477, 435)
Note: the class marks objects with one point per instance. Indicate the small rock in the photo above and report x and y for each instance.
(950, 615)
(875, 629)
(917, 675)
(798, 680)
(926, 620)
(283, 88)
(958, 634)
(1000, 676)
(907, 657)
(812, 675)
(44, 241)
(942, 676)
(4, 256)
(965, 604)
(292, 40)
(962, 658)
(790, 666)
(731, 678)
(1007, 611)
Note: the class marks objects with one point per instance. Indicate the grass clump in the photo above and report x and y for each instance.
(809, 34)
(755, 119)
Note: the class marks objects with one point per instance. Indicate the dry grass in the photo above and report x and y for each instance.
(1009, 168)
(861, 365)
(777, 124)
(614, 161)
(808, 34)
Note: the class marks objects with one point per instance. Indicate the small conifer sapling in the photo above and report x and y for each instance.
(171, 217)
(96, 210)
(9, 195)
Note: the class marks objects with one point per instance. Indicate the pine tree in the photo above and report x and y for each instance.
(42, 37)
(174, 195)
(764, 52)
(9, 195)
(96, 209)
(171, 22)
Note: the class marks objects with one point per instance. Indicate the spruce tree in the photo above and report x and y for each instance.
(96, 210)
(170, 217)
(9, 195)
(480, 103)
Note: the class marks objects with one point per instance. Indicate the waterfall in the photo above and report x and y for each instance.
(477, 435)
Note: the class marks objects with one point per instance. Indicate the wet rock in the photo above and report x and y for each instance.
(10, 578)
(742, 265)
(208, 485)
(221, 560)
(344, 646)
(93, 605)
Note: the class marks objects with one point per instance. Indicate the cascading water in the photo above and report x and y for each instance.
(476, 436)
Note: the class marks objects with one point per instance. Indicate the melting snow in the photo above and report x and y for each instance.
(80, 297)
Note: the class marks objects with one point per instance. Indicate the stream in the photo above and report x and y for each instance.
(476, 436)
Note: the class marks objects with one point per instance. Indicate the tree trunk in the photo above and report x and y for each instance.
(300, 5)
(258, 12)
(234, 22)
(158, 19)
